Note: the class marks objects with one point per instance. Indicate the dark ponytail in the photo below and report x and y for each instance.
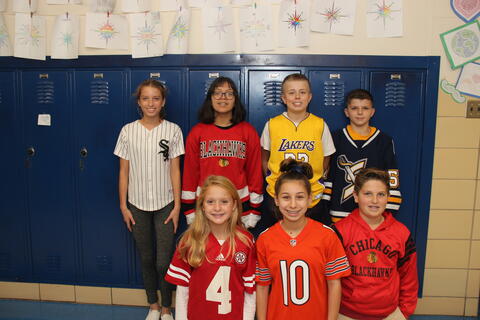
(292, 169)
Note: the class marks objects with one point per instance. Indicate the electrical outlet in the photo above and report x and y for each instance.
(473, 109)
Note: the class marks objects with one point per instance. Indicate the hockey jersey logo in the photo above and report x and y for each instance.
(351, 169)
(223, 148)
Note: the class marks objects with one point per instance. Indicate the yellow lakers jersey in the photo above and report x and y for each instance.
(302, 142)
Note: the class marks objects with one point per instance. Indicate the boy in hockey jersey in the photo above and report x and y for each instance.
(359, 146)
(382, 255)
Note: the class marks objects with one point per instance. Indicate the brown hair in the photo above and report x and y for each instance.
(154, 84)
(296, 77)
(358, 94)
(294, 170)
(368, 174)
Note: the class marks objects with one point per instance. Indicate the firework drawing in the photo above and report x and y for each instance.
(178, 38)
(219, 35)
(5, 48)
(256, 28)
(104, 30)
(384, 18)
(294, 26)
(65, 33)
(29, 36)
(334, 16)
(146, 37)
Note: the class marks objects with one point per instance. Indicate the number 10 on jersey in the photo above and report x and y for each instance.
(290, 282)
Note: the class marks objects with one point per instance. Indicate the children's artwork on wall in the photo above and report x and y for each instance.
(5, 44)
(136, 5)
(462, 44)
(468, 81)
(65, 37)
(106, 31)
(64, 1)
(333, 16)
(384, 18)
(146, 35)
(467, 10)
(256, 28)
(241, 2)
(179, 35)
(218, 32)
(294, 24)
(102, 5)
(170, 5)
(24, 6)
(450, 89)
(29, 36)
(196, 3)
(3, 5)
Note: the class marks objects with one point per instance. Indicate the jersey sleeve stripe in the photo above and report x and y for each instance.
(395, 193)
(263, 274)
(179, 270)
(188, 195)
(178, 276)
(255, 198)
(250, 278)
(393, 206)
(395, 200)
(335, 262)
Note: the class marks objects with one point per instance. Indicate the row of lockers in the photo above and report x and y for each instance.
(61, 221)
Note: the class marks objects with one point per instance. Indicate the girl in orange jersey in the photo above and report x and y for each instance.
(300, 259)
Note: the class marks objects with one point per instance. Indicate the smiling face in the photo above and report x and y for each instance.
(293, 200)
(296, 95)
(151, 102)
(372, 199)
(360, 111)
(218, 205)
(223, 100)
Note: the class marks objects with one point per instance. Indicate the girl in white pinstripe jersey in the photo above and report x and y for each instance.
(149, 190)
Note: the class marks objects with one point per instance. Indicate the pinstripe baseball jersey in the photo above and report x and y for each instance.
(298, 269)
(149, 153)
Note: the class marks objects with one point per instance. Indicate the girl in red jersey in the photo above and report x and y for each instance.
(384, 283)
(224, 144)
(214, 264)
(301, 259)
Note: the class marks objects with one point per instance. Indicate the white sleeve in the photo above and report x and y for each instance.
(327, 141)
(249, 306)
(265, 138)
(181, 303)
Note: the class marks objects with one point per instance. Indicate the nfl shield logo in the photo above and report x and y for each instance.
(467, 10)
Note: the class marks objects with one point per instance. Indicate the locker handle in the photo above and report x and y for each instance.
(83, 152)
(30, 151)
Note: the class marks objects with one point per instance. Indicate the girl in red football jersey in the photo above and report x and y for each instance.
(214, 264)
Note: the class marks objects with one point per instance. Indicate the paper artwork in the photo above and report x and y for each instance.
(469, 80)
(24, 6)
(65, 37)
(218, 32)
(29, 36)
(170, 5)
(5, 44)
(196, 3)
(145, 35)
(64, 1)
(333, 16)
(467, 10)
(106, 31)
(102, 5)
(462, 44)
(294, 24)
(179, 35)
(256, 28)
(3, 5)
(241, 2)
(450, 89)
(384, 18)
(136, 5)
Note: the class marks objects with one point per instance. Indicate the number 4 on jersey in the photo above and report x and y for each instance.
(218, 290)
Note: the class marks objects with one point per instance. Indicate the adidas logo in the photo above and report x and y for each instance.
(220, 257)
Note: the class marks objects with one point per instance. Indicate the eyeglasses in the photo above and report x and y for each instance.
(218, 95)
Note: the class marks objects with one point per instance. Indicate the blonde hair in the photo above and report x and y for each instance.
(192, 245)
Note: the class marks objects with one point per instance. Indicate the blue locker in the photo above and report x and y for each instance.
(264, 95)
(13, 249)
(98, 115)
(46, 121)
(198, 84)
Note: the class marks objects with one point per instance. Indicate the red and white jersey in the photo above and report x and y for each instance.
(217, 287)
(232, 152)
(298, 269)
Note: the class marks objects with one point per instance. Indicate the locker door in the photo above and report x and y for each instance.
(264, 95)
(199, 82)
(399, 103)
(13, 260)
(329, 88)
(47, 120)
(98, 115)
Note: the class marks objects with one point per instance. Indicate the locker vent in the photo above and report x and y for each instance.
(395, 93)
(272, 93)
(99, 92)
(45, 92)
(4, 262)
(54, 264)
(104, 263)
(334, 93)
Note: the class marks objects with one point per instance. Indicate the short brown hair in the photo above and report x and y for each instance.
(368, 174)
(296, 77)
(361, 94)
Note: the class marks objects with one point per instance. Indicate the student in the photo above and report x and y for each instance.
(149, 150)
(214, 264)
(300, 261)
(359, 146)
(382, 254)
(224, 144)
(300, 135)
